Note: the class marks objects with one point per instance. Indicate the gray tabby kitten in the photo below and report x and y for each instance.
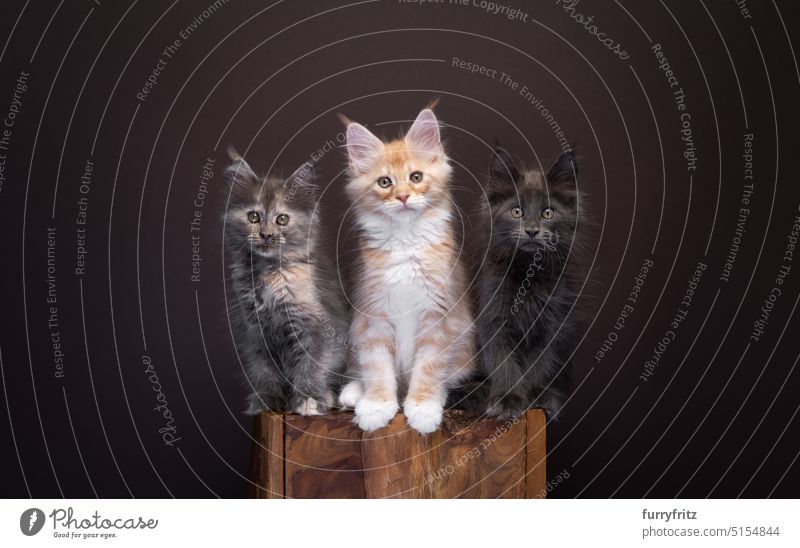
(532, 310)
(289, 315)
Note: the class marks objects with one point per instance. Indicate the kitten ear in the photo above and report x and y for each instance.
(503, 167)
(423, 136)
(565, 169)
(362, 148)
(239, 172)
(300, 187)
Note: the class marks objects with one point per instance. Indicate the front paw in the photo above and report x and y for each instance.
(350, 395)
(510, 406)
(424, 416)
(308, 407)
(373, 414)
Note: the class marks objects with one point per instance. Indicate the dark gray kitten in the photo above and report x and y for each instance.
(289, 316)
(528, 285)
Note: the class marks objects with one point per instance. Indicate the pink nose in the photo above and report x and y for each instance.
(403, 198)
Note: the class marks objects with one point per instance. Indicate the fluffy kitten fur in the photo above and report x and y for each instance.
(289, 316)
(529, 284)
(412, 328)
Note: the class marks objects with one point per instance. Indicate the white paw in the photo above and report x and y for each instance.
(371, 414)
(425, 416)
(309, 406)
(351, 393)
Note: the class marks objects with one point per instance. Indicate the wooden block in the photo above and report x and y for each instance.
(536, 449)
(396, 459)
(478, 458)
(330, 457)
(323, 457)
(268, 454)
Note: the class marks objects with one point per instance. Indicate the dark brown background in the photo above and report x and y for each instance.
(713, 420)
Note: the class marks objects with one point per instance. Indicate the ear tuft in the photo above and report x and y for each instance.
(363, 148)
(232, 154)
(239, 171)
(565, 168)
(503, 167)
(303, 175)
(424, 133)
(344, 119)
(301, 188)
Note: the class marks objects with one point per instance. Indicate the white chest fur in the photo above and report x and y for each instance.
(406, 281)
(407, 298)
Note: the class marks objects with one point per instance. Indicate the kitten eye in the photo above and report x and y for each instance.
(517, 212)
(282, 219)
(416, 177)
(254, 217)
(384, 182)
(547, 213)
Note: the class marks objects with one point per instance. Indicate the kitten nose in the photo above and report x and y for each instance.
(532, 232)
(403, 198)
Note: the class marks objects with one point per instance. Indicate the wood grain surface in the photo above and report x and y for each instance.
(268, 457)
(323, 457)
(330, 457)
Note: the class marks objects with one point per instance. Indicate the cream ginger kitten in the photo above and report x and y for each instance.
(412, 331)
